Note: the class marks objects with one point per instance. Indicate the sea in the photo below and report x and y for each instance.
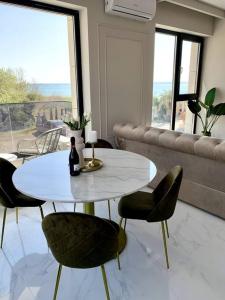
(160, 87)
(64, 89)
(52, 89)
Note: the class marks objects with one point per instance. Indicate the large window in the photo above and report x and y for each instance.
(177, 72)
(40, 69)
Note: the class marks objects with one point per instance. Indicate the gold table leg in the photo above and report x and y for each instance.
(89, 208)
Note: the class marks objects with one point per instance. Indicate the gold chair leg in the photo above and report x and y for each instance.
(3, 225)
(42, 214)
(109, 209)
(57, 282)
(74, 208)
(167, 229)
(118, 260)
(105, 282)
(165, 245)
(54, 206)
(125, 224)
(17, 215)
(121, 221)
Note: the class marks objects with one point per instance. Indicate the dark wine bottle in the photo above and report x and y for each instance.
(74, 159)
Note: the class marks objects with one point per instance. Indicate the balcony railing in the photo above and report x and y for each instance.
(27, 120)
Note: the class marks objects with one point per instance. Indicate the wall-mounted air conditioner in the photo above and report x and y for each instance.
(142, 10)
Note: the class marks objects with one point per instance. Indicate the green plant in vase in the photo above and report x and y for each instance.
(77, 124)
(212, 112)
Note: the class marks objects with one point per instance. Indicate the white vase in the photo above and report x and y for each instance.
(75, 133)
(79, 143)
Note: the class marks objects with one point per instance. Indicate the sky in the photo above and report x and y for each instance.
(35, 41)
(164, 58)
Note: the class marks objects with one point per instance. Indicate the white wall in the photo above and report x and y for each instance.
(121, 56)
(172, 16)
(214, 71)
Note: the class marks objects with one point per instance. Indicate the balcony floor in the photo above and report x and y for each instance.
(196, 251)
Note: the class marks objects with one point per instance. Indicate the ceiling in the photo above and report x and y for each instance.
(217, 3)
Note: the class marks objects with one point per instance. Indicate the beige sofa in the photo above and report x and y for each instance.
(202, 158)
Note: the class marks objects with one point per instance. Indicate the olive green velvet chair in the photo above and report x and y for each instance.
(157, 206)
(81, 241)
(10, 197)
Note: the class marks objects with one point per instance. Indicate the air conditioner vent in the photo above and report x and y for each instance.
(142, 10)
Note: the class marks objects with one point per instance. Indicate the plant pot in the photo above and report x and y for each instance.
(206, 133)
(76, 133)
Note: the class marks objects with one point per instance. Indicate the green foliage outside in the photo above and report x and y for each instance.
(24, 99)
(162, 106)
(14, 88)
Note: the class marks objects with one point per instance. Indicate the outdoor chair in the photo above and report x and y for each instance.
(46, 142)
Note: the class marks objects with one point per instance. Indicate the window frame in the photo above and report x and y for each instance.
(176, 95)
(77, 39)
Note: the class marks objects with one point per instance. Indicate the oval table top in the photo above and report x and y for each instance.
(47, 177)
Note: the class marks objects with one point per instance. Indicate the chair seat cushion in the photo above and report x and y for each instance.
(136, 206)
(25, 201)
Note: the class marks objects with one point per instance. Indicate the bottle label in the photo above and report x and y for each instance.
(76, 167)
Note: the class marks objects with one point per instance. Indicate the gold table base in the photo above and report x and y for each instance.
(89, 208)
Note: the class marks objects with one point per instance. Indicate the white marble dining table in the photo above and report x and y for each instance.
(48, 178)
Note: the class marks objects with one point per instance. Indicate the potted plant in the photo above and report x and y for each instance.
(76, 125)
(212, 112)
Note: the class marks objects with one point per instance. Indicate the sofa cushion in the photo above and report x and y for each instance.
(205, 147)
(130, 131)
(220, 151)
(186, 142)
(152, 135)
(168, 139)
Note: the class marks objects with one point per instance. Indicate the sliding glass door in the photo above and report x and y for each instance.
(40, 69)
(177, 73)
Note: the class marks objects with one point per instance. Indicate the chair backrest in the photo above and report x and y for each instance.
(100, 144)
(165, 195)
(47, 142)
(79, 240)
(7, 189)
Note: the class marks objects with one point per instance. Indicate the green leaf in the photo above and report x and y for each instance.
(209, 111)
(219, 109)
(203, 104)
(194, 106)
(210, 97)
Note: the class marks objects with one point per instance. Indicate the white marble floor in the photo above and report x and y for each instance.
(196, 251)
